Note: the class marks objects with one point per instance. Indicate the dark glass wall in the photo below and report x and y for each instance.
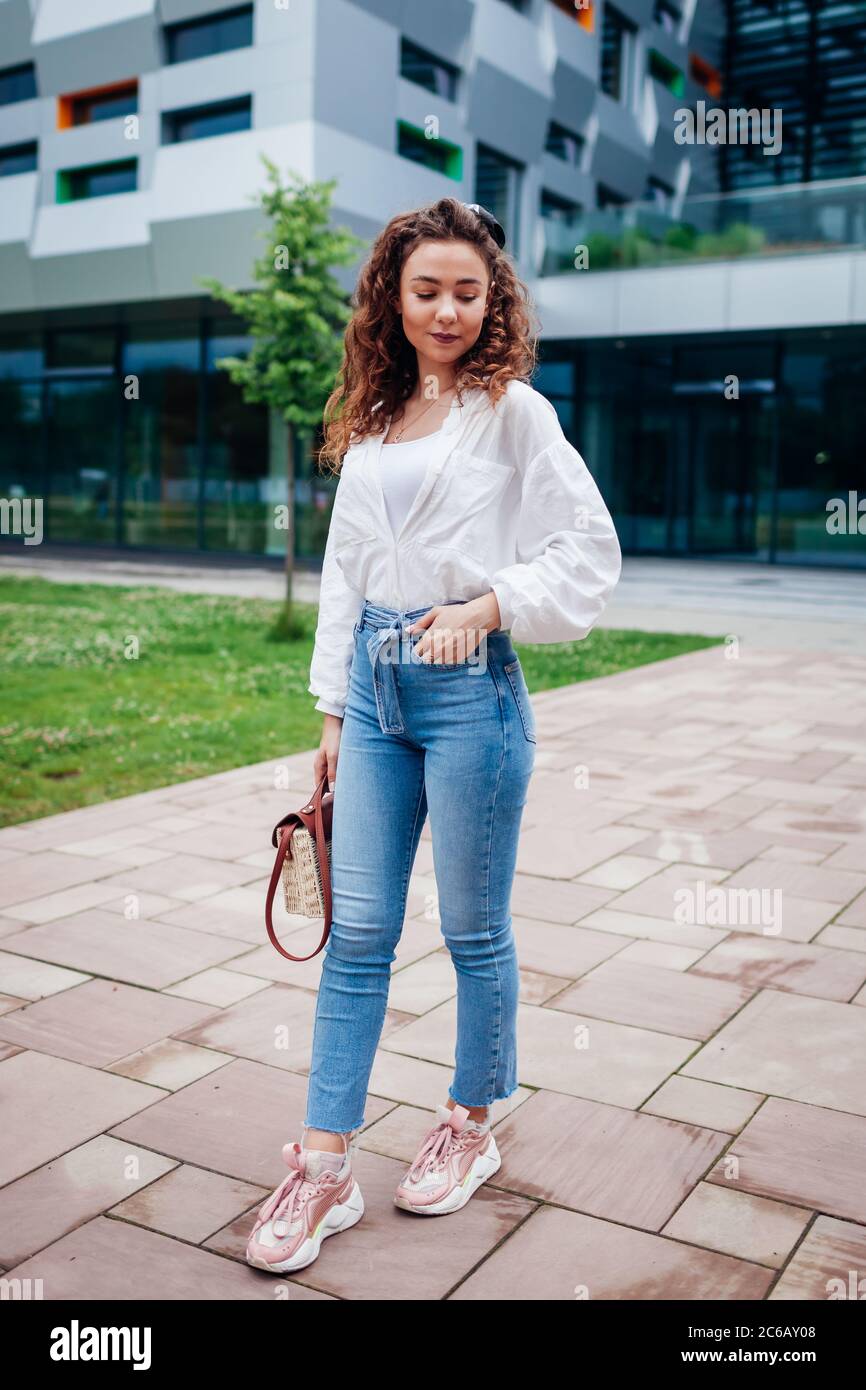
(134, 437)
(730, 448)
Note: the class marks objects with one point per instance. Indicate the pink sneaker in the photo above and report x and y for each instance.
(455, 1158)
(313, 1202)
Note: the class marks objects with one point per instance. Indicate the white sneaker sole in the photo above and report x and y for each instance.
(340, 1218)
(483, 1168)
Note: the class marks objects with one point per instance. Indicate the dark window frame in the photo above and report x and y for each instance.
(178, 29)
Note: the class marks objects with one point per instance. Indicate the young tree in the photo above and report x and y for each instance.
(295, 316)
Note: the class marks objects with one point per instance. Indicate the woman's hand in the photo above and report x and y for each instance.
(455, 630)
(328, 750)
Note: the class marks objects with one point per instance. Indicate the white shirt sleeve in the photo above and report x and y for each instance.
(339, 610)
(568, 554)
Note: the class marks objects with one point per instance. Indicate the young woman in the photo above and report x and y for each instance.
(462, 514)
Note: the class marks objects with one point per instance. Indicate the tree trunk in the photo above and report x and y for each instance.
(290, 532)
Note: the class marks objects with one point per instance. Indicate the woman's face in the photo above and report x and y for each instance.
(443, 299)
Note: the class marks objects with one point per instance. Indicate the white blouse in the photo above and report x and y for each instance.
(505, 503)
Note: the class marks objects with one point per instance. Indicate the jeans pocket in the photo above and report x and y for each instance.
(519, 688)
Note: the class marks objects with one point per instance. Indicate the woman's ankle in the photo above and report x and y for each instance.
(325, 1140)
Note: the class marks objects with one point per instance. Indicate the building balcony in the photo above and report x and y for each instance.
(783, 220)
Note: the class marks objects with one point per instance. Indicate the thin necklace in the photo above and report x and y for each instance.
(399, 435)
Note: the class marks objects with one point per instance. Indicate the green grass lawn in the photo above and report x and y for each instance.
(85, 719)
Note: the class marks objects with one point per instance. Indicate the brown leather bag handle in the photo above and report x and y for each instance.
(313, 817)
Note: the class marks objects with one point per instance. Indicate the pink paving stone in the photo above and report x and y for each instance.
(185, 876)
(137, 951)
(624, 1166)
(38, 875)
(740, 1224)
(852, 939)
(99, 1022)
(552, 901)
(855, 913)
(190, 1203)
(111, 1259)
(565, 1052)
(645, 996)
(52, 1105)
(568, 952)
(246, 925)
(26, 980)
(700, 847)
(828, 1265)
(392, 1254)
(225, 842)
(801, 1154)
(765, 962)
(78, 1185)
(563, 1255)
(701, 1103)
(800, 880)
(274, 1026)
(234, 1121)
(790, 1045)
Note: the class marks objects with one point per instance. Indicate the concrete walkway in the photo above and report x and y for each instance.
(808, 608)
(690, 912)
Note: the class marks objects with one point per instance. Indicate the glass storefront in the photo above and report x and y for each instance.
(727, 447)
(732, 448)
(135, 438)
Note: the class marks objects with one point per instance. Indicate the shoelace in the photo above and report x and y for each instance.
(438, 1147)
(290, 1197)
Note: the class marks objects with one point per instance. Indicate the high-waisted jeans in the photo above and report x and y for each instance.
(456, 741)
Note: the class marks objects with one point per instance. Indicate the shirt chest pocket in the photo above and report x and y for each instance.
(467, 490)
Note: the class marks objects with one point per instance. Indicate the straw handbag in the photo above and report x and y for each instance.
(303, 843)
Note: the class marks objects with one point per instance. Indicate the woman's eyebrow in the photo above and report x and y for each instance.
(466, 280)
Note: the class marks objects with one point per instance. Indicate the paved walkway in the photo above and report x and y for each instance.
(818, 608)
(690, 910)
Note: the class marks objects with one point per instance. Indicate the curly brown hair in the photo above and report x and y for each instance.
(380, 364)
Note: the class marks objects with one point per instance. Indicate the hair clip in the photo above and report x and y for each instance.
(495, 228)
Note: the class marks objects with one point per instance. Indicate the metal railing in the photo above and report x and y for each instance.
(787, 219)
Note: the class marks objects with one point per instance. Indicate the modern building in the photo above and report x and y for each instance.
(701, 284)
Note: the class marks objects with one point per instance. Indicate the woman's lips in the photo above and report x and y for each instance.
(445, 337)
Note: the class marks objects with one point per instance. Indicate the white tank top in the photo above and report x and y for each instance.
(402, 471)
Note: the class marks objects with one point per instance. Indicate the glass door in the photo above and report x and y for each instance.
(725, 475)
(81, 416)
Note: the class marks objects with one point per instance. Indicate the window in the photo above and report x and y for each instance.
(581, 10)
(17, 84)
(18, 159)
(84, 108)
(705, 75)
(558, 209)
(617, 54)
(417, 65)
(199, 122)
(667, 16)
(96, 181)
(440, 155)
(606, 197)
(563, 143)
(498, 182)
(659, 193)
(214, 33)
(661, 70)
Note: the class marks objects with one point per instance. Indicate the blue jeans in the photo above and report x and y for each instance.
(457, 741)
